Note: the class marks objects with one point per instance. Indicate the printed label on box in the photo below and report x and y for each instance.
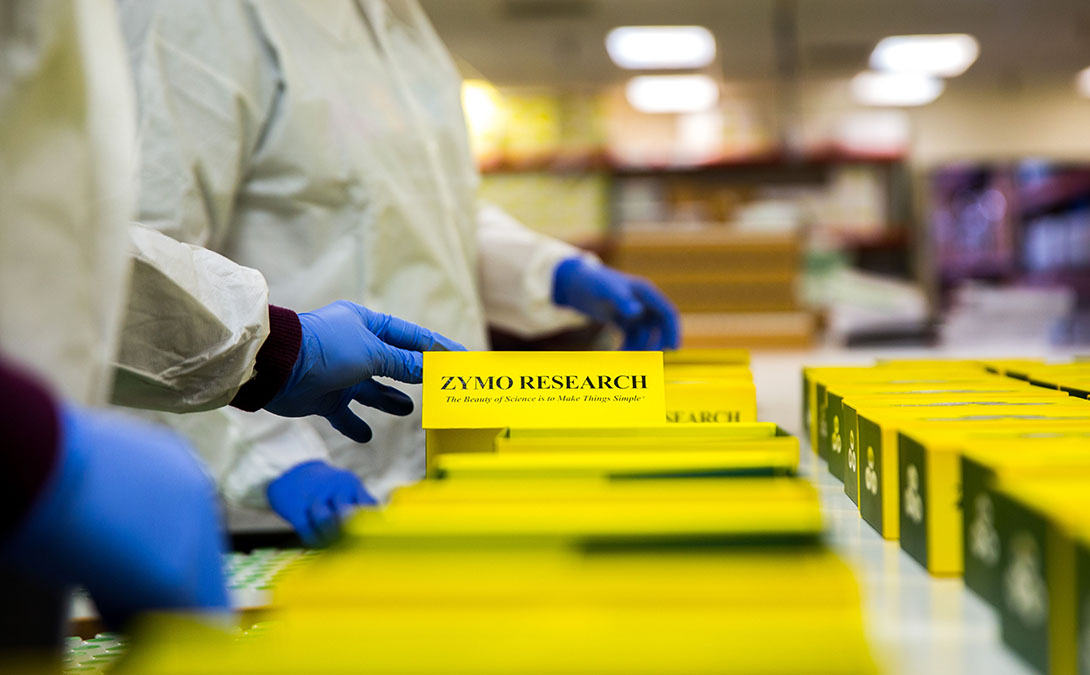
(851, 455)
(913, 483)
(1024, 610)
(1082, 597)
(870, 467)
(479, 390)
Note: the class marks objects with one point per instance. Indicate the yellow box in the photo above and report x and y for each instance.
(738, 357)
(469, 396)
(849, 423)
(989, 458)
(1039, 522)
(710, 402)
(637, 639)
(795, 577)
(879, 486)
(666, 432)
(514, 443)
(461, 514)
(834, 447)
(749, 459)
(930, 476)
(817, 379)
(696, 371)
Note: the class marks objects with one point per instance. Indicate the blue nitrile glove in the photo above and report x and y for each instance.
(647, 317)
(344, 346)
(315, 497)
(130, 515)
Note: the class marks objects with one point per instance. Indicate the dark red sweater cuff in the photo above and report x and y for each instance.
(30, 449)
(275, 360)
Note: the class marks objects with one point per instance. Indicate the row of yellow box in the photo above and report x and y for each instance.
(668, 548)
(981, 470)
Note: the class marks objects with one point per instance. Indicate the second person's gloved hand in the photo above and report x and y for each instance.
(130, 515)
(315, 498)
(344, 347)
(647, 317)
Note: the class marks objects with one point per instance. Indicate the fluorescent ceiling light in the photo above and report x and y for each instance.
(947, 55)
(672, 93)
(1082, 81)
(661, 47)
(895, 89)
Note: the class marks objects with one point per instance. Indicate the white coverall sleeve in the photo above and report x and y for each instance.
(516, 270)
(193, 325)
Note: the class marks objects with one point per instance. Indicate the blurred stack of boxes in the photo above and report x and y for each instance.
(981, 469)
(733, 289)
(681, 547)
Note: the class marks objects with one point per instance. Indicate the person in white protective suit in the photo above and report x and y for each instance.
(323, 143)
(92, 497)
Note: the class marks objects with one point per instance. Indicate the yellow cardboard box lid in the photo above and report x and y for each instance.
(482, 390)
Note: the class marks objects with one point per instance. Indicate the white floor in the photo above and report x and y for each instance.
(917, 624)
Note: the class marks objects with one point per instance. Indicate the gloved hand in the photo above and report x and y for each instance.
(647, 317)
(130, 515)
(344, 346)
(315, 498)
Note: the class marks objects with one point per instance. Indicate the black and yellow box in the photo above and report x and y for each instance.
(990, 459)
(816, 381)
(930, 477)
(879, 480)
(840, 437)
(1039, 522)
(1082, 597)
(856, 461)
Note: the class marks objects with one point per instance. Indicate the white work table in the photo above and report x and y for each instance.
(917, 624)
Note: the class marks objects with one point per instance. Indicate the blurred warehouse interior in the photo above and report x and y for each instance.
(799, 172)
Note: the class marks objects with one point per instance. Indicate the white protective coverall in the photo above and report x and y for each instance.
(66, 172)
(322, 142)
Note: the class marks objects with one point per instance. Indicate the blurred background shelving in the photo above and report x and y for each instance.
(937, 220)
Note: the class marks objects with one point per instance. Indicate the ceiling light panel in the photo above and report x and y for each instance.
(946, 55)
(895, 89)
(661, 47)
(672, 93)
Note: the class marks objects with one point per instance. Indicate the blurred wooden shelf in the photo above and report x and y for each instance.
(765, 330)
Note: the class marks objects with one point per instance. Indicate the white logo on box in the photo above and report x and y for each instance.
(1026, 593)
(837, 443)
(870, 474)
(851, 450)
(913, 500)
(983, 538)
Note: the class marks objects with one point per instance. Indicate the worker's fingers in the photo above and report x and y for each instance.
(301, 524)
(400, 364)
(346, 422)
(665, 312)
(383, 397)
(638, 337)
(408, 335)
(625, 306)
(344, 505)
(323, 519)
